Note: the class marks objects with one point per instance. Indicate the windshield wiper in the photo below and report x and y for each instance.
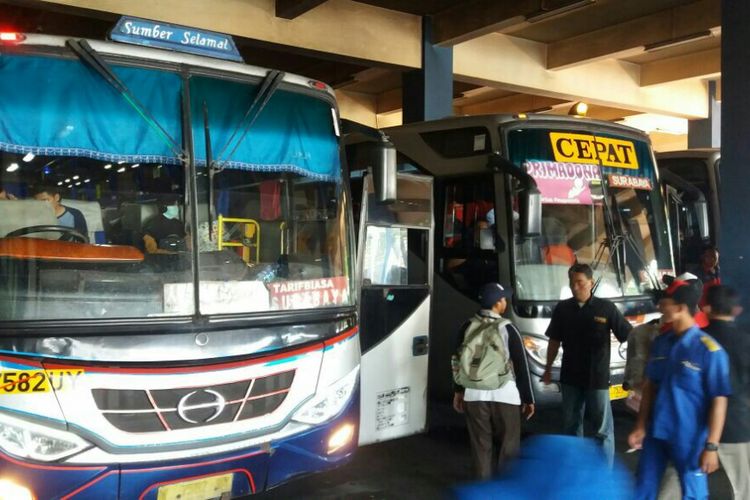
(89, 56)
(613, 241)
(267, 88)
(209, 160)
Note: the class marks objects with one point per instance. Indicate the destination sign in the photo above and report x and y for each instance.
(173, 37)
(586, 148)
(627, 181)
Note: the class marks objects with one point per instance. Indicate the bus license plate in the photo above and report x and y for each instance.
(207, 487)
(617, 392)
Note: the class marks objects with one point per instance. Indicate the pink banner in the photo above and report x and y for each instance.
(563, 183)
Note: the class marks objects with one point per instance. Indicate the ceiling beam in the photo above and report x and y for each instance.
(474, 18)
(389, 101)
(703, 64)
(606, 83)
(671, 26)
(289, 9)
(519, 103)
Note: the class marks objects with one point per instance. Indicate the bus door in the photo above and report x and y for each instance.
(394, 259)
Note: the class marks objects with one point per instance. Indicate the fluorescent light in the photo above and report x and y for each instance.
(67, 180)
(680, 40)
(78, 183)
(12, 167)
(87, 180)
(75, 177)
(135, 165)
(28, 157)
(60, 183)
(564, 9)
(120, 170)
(121, 162)
(107, 166)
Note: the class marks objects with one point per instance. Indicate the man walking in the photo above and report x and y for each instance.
(493, 414)
(722, 306)
(684, 401)
(583, 325)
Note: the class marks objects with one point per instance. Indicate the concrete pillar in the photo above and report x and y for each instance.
(428, 92)
(706, 133)
(735, 148)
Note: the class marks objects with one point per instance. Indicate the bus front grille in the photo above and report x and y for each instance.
(158, 410)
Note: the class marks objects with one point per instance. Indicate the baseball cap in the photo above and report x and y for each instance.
(491, 293)
(683, 292)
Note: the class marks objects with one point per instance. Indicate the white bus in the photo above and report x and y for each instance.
(177, 296)
(519, 199)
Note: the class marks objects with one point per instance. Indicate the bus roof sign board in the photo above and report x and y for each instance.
(172, 37)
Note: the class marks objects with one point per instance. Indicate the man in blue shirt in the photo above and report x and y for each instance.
(684, 401)
(66, 216)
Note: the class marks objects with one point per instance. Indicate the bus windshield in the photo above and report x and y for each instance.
(606, 212)
(101, 218)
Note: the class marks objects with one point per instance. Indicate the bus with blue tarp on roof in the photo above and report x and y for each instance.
(199, 338)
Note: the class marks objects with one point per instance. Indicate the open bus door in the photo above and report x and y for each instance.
(394, 256)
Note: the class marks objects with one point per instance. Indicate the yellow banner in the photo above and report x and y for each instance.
(584, 148)
(33, 381)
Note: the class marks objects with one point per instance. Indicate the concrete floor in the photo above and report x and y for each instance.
(427, 466)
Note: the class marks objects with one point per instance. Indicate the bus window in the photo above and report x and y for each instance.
(469, 256)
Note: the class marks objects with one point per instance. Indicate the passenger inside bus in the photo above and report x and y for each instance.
(66, 216)
(165, 233)
(4, 195)
(556, 250)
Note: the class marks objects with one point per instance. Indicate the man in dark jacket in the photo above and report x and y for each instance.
(493, 417)
(722, 306)
(583, 324)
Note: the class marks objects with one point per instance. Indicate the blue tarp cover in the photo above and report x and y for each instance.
(59, 107)
(293, 133)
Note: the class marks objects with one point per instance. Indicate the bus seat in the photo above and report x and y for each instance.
(17, 214)
(135, 215)
(92, 212)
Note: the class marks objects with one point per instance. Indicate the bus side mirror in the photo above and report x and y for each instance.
(384, 171)
(530, 212)
(701, 212)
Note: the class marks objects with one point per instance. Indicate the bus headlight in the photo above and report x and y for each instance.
(27, 440)
(11, 489)
(537, 349)
(330, 402)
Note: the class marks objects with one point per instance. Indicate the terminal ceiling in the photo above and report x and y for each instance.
(622, 57)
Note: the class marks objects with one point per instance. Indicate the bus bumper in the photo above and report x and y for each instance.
(252, 470)
(550, 396)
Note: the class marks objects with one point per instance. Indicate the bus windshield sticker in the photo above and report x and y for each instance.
(35, 381)
(585, 148)
(392, 408)
(308, 294)
(629, 182)
(563, 183)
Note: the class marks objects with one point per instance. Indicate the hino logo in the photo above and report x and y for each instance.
(185, 408)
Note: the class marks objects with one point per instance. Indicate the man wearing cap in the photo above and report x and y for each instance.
(684, 400)
(493, 417)
(583, 324)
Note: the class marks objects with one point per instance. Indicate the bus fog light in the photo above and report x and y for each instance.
(328, 403)
(10, 489)
(27, 440)
(341, 437)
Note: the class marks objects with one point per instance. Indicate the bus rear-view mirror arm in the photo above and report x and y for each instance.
(530, 198)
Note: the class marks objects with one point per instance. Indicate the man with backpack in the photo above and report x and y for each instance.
(492, 381)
